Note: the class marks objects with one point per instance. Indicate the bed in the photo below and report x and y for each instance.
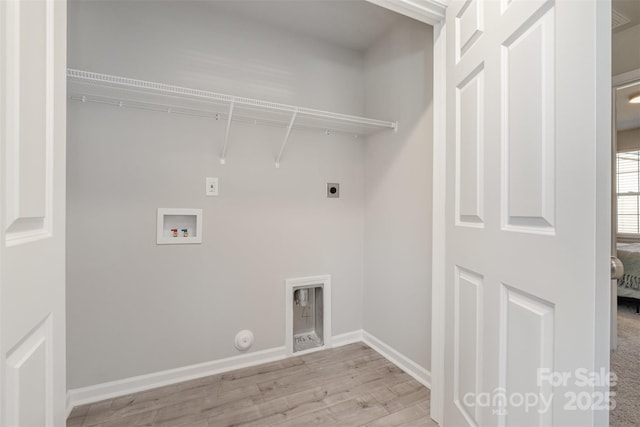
(629, 283)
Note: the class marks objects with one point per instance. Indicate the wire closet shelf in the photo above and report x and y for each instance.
(86, 86)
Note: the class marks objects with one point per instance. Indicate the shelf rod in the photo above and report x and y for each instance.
(104, 81)
(223, 156)
(286, 138)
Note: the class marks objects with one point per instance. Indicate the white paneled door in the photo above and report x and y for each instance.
(32, 212)
(528, 119)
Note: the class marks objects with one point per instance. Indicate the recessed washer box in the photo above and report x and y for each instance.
(307, 314)
(179, 226)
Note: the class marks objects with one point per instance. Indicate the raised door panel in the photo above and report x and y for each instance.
(29, 383)
(528, 127)
(470, 150)
(467, 354)
(28, 129)
(469, 26)
(526, 353)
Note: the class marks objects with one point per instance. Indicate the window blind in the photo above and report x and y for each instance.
(628, 192)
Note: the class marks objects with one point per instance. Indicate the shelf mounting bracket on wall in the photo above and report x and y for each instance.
(286, 138)
(223, 155)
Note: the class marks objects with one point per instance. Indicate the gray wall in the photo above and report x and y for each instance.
(193, 44)
(135, 307)
(397, 297)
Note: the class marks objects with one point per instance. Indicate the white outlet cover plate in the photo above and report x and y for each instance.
(211, 186)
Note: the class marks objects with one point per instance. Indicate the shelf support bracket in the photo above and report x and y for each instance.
(223, 155)
(286, 138)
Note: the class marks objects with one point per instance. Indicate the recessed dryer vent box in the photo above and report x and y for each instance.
(179, 226)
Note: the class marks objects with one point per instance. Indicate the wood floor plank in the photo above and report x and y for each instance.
(353, 390)
(80, 411)
(284, 408)
(270, 413)
(203, 423)
(98, 413)
(401, 417)
(189, 420)
(359, 410)
(261, 369)
(322, 417)
(389, 374)
(147, 401)
(231, 382)
(351, 385)
(135, 420)
(324, 374)
(208, 406)
(425, 421)
(143, 397)
(75, 421)
(407, 394)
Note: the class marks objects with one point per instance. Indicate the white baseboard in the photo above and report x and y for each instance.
(109, 390)
(348, 338)
(98, 392)
(419, 373)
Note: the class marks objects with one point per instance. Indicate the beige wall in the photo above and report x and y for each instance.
(625, 50)
(628, 140)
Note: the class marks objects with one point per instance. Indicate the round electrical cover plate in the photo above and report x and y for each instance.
(244, 340)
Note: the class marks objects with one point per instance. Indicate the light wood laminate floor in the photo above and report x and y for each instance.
(346, 386)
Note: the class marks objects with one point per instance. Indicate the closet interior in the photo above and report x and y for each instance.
(163, 97)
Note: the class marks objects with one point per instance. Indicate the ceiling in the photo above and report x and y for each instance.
(627, 115)
(353, 24)
(630, 9)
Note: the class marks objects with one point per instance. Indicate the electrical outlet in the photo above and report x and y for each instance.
(211, 186)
